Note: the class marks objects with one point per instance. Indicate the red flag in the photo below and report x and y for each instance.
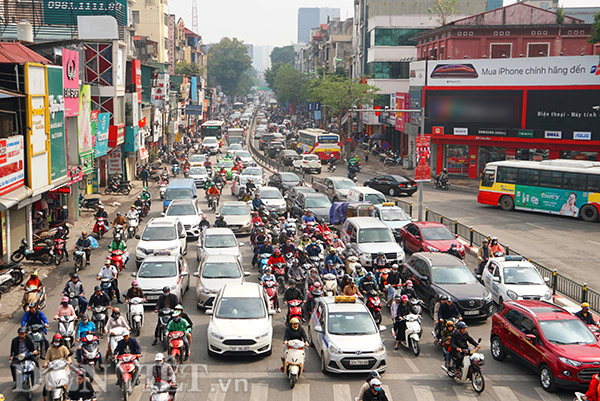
(142, 122)
(377, 113)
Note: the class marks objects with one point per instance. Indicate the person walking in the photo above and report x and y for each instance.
(144, 175)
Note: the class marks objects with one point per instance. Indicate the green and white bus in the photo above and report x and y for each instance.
(212, 128)
(559, 186)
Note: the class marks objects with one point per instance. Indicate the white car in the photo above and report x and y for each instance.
(197, 159)
(272, 198)
(392, 216)
(514, 278)
(199, 174)
(240, 181)
(307, 163)
(234, 147)
(212, 143)
(240, 322)
(256, 173)
(163, 270)
(245, 157)
(162, 233)
(218, 241)
(213, 274)
(189, 214)
(237, 216)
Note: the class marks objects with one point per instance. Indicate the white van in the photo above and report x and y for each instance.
(367, 236)
(365, 194)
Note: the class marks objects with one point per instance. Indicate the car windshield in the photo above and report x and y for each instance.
(451, 275)
(161, 233)
(394, 215)
(221, 270)
(226, 164)
(178, 193)
(197, 158)
(270, 194)
(376, 199)
(436, 234)
(317, 202)
(344, 184)
(242, 153)
(367, 235)
(564, 332)
(289, 178)
(311, 157)
(234, 210)
(241, 308)
(252, 171)
(220, 241)
(522, 276)
(158, 270)
(198, 171)
(350, 323)
(210, 140)
(184, 209)
(235, 146)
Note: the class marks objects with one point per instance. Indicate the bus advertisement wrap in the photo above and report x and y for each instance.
(550, 200)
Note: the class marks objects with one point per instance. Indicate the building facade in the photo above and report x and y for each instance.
(309, 18)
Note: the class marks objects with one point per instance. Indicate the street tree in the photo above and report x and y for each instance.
(289, 85)
(228, 60)
(595, 37)
(270, 74)
(444, 9)
(284, 54)
(182, 67)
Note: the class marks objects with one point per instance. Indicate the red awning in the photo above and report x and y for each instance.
(16, 53)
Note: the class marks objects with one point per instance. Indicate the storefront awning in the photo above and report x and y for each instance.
(14, 197)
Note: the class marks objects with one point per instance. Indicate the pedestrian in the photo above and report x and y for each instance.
(144, 175)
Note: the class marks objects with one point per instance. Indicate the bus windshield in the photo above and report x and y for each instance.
(328, 139)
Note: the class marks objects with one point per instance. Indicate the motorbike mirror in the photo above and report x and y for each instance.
(195, 196)
(496, 279)
(196, 274)
(241, 244)
(184, 235)
(208, 312)
(183, 274)
(133, 274)
(546, 280)
(271, 311)
(479, 340)
(137, 236)
(318, 329)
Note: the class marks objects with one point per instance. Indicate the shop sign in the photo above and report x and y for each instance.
(136, 78)
(38, 140)
(58, 139)
(87, 162)
(62, 190)
(75, 175)
(553, 134)
(423, 158)
(65, 12)
(102, 125)
(132, 139)
(70, 64)
(582, 136)
(437, 130)
(491, 132)
(85, 120)
(461, 131)
(116, 135)
(525, 133)
(115, 166)
(12, 175)
(402, 102)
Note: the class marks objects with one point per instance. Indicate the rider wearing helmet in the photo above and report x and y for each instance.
(276, 258)
(393, 280)
(350, 288)
(293, 332)
(220, 221)
(333, 257)
(85, 243)
(129, 345)
(408, 290)
(402, 309)
(178, 324)
(585, 315)
(162, 372)
(367, 284)
(453, 250)
(459, 343)
(57, 350)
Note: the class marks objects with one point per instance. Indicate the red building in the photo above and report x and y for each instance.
(517, 30)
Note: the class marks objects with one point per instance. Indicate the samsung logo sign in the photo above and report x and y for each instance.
(582, 135)
(553, 134)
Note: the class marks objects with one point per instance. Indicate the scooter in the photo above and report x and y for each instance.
(162, 391)
(58, 250)
(374, 305)
(263, 262)
(125, 371)
(107, 287)
(120, 230)
(279, 272)
(294, 361)
(66, 327)
(80, 259)
(14, 271)
(118, 258)
(412, 333)
(213, 202)
(176, 347)
(36, 332)
(34, 294)
(89, 203)
(470, 370)
(101, 226)
(331, 168)
(40, 252)
(25, 371)
(99, 318)
(132, 225)
(443, 184)
(330, 285)
(271, 290)
(164, 315)
(118, 187)
(114, 336)
(136, 315)
(163, 189)
(90, 351)
(57, 379)
(294, 310)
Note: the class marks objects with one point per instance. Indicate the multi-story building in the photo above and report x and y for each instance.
(309, 18)
(153, 17)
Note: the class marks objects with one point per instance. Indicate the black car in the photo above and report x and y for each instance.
(392, 184)
(293, 192)
(273, 149)
(284, 181)
(287, 156)
(435, 274)
(317, 203)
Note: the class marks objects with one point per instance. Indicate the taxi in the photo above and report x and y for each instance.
(513, 278)
(346, 337)
(163, 269)
(392, 216)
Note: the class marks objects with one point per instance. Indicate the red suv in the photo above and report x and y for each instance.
(549, 339)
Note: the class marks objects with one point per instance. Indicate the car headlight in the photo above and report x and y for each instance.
(432, 249)
(262, 335)
(216, 335)
(334, 350)
(174, 287)
(512, 295)
(488, 298)
(548, 295)
(571, 362)
(380, 349)
(142, 250)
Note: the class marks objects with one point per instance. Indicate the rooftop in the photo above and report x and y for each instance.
(16, 53)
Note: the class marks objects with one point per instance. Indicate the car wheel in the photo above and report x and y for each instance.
(507, 203)
(547, 379)
(432, 303)
(497, 349)
(323, 365)
(392, 192)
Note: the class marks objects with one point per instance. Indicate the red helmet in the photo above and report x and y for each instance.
(317, 284)
(58, 337)
(277, 252)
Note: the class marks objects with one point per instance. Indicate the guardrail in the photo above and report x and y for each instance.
(558, 283)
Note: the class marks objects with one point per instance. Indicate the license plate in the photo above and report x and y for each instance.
(471, 312)
(239, 349)
(359, 362)
(152, 297)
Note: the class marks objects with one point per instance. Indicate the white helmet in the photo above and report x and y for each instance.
(159, 357)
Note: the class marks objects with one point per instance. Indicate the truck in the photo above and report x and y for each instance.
(336, 188)
(235, 135)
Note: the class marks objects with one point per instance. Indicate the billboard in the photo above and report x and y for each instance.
(70, 63)
(65, 12)
(85, 120)
(530, 71)
(402, 102)
(58, 139)
(102, 125)
(423, 158)
(12, 173)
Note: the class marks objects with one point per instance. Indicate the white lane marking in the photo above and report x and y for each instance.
(536, 226)
(546, 396)
(341, 392)
(215, 393)
(594, 242)
(410, 364)
(423, 393)
(301, 392)
(259, 392)
(388, 392)
(505, 393)
(462, 394)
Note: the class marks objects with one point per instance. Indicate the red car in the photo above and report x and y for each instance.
(557, 345)
(428, 236)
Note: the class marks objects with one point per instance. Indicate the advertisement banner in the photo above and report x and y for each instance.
(529, 71)
(38, 140)
(402, 102)
(65, 12)
(102, 134)
(70, 63)
(417, 73)
(85, 120)
(555, 201)
(194, 89)
(115, 166)
(392, 118)
(58, 139)
(12, 173)
(423, 158)
(136, 78)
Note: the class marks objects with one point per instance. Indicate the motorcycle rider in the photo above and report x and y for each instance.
(375, 392)
(75, 286)
(313, 249)
(497, 249)
(459, 342)
(55, 352)
(308, 217)
(255, 218)
(110, 272)
(120, 220)
(293, 332)
(585, 315)
(118, 244)
(128, 345)
(99, 298)
(101, 212)
(366, 386)
(313, 277)
(64, 309)
(337, 242)
(275, 258)
(213, 190)
(351, 289)
(333, 257)
(266, 247)
(33, 281)
(133, 214)
(408, 290)
(257, 203)
(445, 339)
(403, 308)
(250, 185)
(288, 247)
(329, 268)
(220, 221)
(483, 254)
(35, 316)
(162, 372)
(146, 196)
(20, 345)
(60, 234)
(269, 276)
(453, 250)
(178, 324)
(83, 391)
(86, 326)
(166, 300)
(134, 292)
(204, 223)
(367, 284)
(115, 320)
(84, 243)
(393, 280)
(592, 393)
(296, 272)
(187, 318)
(292, 292)
(442, 177)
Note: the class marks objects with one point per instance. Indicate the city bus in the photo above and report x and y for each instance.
(238, 106)
(212, 128)
(559, 186)
(319, 142)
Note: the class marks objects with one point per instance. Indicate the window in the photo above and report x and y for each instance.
(506, 175)
(388, 70)
(500, 50)
(396, 37)
(413, 230)
(514, 317)
(136, 16)
(538, 49)
(527, 325)
(166, 19)
(529, 177)
(593, 183)
(487, 179)
(420, 267)
(551, 179)
(575, 182)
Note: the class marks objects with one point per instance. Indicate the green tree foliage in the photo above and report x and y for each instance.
(595, 37)
(339, 93)
(228, 61)
(190, 69)
(284, 55)
(270, 74)
(444, 9)
(289, 85)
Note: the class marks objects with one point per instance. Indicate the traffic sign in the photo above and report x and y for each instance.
(385, 145)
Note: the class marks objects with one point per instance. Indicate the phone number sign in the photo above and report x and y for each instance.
(65, 12)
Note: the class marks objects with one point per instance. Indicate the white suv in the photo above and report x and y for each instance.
(307, 163)
(367, 236)
(163, 233)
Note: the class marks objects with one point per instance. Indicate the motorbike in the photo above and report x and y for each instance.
(89, 203)
(132, 225)
(330, 285)
(34, 294)
(135, 314)
(114, 336)
(14, 271)
(101, 226)
(80, 259)
(374, 305)
(441, 184)
(66, 327)
(99, 318)
(310, 304)
(107, 287)
(315, 261)
(163, 189)
(118, 258)
(294, 310)
(580, 397)
(176, 347)
(120, 230)
(213, 202)
(125, 372)
(40, 252)
(36, 332)
(117, 187)
(162, 391)
(470, 370)
(331, 168)
(175, 169)
(279, 272)
(271, 291)
(25, 371)
(58, 250)
(90, 351)
(412, 333)
(57, 379)
(294, 361)
(164, 315)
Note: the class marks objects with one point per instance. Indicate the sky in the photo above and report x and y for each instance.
(270, 22)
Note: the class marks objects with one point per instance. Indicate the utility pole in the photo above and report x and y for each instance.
(420, 183)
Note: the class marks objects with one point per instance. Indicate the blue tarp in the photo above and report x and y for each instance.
(337, 213)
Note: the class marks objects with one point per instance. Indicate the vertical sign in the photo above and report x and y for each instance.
(402, 103)
(58, 143)
(12, 173)
(392, 118)
(136, 78)
(85, 120)
(423, 158)
(114, 162)
(70, 63)
(102, 134)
